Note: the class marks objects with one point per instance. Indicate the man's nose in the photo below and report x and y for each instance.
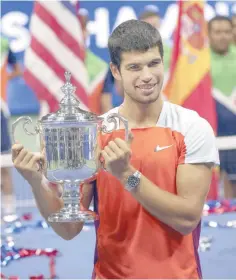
(146, 74)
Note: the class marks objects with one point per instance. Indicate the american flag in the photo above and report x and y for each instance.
(57, 45)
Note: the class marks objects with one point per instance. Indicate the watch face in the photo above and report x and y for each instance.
(133, 181)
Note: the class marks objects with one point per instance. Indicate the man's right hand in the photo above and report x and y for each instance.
(28, 164)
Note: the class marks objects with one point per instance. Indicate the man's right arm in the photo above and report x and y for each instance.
(48, 203)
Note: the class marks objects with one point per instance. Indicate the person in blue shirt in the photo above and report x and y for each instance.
(8, 60)
(112, 95)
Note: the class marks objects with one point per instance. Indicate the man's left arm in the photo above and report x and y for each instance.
(183, 211)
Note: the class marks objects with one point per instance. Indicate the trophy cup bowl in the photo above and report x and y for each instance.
(69, 138)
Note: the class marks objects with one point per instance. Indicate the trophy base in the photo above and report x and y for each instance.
(66, 216)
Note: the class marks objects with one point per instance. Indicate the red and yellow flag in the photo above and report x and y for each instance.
(189, 83)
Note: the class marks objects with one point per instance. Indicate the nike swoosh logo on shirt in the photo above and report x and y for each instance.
(158, 148)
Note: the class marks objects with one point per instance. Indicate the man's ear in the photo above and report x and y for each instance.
(115, 71)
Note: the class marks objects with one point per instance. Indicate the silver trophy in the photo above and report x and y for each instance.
(70, 141)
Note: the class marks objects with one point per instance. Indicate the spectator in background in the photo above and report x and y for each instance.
(112, 95)
(113, 92)
(223, 72)
(96, 67)
(7, 59)
(234, 30)
(151, 15)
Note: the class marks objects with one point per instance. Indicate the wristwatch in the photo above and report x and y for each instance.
(133, 181)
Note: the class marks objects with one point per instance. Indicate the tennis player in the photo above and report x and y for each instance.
(151, 196)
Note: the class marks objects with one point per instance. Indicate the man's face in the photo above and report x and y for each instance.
(154, 21)
(234, 28)
(141, 74)
(220, 35)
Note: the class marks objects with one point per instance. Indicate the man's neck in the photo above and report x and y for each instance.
(221, 53)
(141, 115)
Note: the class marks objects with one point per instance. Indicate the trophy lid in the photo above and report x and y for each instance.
(69, 110)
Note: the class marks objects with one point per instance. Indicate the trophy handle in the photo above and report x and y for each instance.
(27, 120)
(112, 119)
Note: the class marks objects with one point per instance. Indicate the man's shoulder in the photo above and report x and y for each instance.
(197, 135)
(178, 118)
(180, 110)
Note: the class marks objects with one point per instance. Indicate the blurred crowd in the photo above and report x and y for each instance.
(222, 40)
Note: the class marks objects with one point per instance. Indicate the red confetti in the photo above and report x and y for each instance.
(51, 253)
(27, 217)
(10, 278)
(37, 277)
(52, 267)
(219, 207)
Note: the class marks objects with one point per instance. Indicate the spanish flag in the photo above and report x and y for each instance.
(189, 83)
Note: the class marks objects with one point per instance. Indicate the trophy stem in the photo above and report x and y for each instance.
(71, 212)
(71, 196)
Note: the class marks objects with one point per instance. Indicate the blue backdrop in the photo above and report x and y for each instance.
(104, 16)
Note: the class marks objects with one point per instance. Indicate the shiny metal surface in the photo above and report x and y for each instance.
(69, 110)
(70, 152)
(26, 121)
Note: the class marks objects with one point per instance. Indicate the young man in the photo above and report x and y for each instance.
(151, 196)
(223, 57)
(113, 92)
